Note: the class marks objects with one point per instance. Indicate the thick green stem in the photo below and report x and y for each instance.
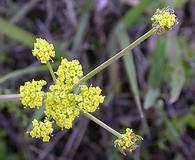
(51, 71)
(99, 122)
(115, 57)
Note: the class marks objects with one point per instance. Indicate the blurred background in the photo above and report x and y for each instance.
(158, 74)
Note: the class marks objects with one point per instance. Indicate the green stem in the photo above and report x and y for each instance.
(99, 122)
(143, 119)
(9, 97)
(115, 57)
(51, 71)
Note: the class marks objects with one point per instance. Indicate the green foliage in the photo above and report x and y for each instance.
(17, 33)
(22, 72)
(175, 68)
(128, 60)
(180, 122)
(157, 64)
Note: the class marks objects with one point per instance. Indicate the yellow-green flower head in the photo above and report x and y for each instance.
(31, 94)
(61, 105)
(91, 98)
(41, 130)
(164, 20)
(69, 71)
(43, 50)
(128, 141)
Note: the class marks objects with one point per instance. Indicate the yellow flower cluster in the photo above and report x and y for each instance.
(31, 94)
(127, 142)
(41, 130)
(69, 71)
(164, 20)
(43, 50)
(91, 98)
(61, 105)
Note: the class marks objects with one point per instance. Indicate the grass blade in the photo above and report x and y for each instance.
(24, 71)
(155, 74)
(175, 68)
(131, 72)
(17, 33)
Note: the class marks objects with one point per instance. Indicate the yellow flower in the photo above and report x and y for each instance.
(41, 130)
(31, 94)
(91, 98)
(69, 71)
(43, 50)
(127, 142)
(164, 20)
(61, 105)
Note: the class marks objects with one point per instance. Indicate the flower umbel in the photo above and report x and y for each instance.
(69, 72)
(31, 94)
(164, 20)
(41, 130)
(91, 98)
(128, 141)
(43, 50)
(61, 105)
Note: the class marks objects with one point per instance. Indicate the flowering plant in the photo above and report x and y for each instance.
(68, 97)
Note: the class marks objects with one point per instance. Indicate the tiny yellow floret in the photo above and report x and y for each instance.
(91, 98)
(128, 141)
(69, 72)
(43, 50)
(164, 20)
(42, 130)
(31, 94)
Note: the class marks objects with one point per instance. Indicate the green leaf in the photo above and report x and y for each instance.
(82, 25)
(128, 59)
(157, 63)
(181, 122)
(155, 73)
(132, 15)
(151, 97)
(116, 82)
(24, 37)
(175, 68)
(121, 28)
(17, 33)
